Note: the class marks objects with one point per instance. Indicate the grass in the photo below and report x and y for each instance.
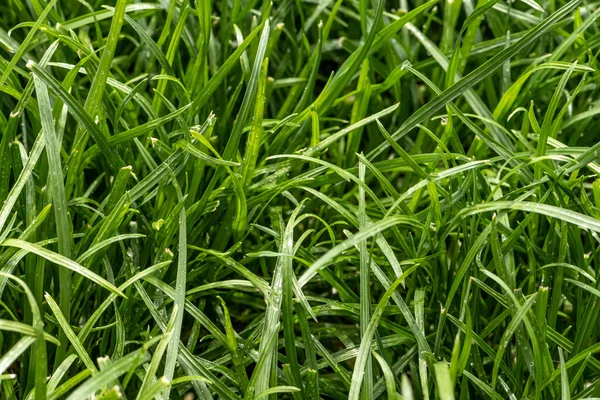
(299, 199)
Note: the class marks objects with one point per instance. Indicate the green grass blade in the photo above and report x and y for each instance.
(477, 75)
(62, 261)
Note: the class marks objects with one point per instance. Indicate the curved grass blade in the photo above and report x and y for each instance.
(477, 75)
(63, 262)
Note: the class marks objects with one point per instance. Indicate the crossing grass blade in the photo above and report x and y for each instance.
(117, 369)
(62, 261)
(20, 52)
(202, 199)
(40, 368)
(62, 321)
(365, 347)
(478, 75)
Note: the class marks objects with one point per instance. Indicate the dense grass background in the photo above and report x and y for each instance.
(305, 199)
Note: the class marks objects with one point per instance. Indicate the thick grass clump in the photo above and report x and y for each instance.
(300, 199)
